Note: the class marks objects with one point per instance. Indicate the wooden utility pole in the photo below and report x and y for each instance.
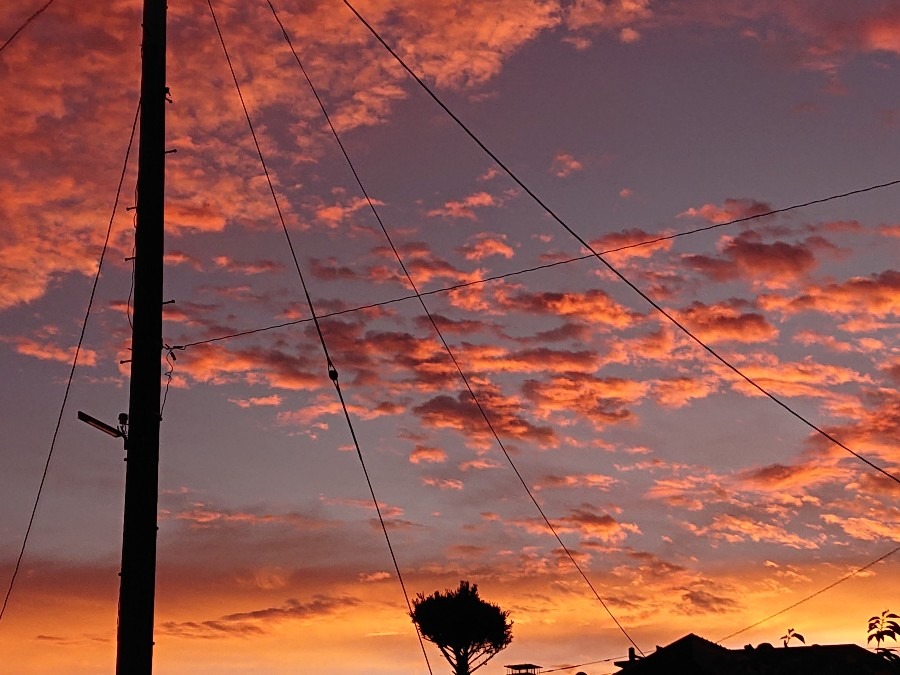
(137, 590)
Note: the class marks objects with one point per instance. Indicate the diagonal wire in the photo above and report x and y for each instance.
(550, 212)
(62, 407)
(22, 27)
(567, 261)
(332, 371)
(440, 335)
(811, 596)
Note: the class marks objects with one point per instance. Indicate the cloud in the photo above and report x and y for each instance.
(867, 529)
(443, 483)
(427, 455)
(701, 601)
(254, 623)
(564, 164)
(47, 351)
(746, 256)
(249, 268)
(334, 215)
(731, 209)
(608, 243)
(780, 478)
(592, 525)
(593, 305)
(464, 208)
(372, 577)
(616, 14)
(217, 364)
(486, 244)
(737, 528)
(459, 413)
(600, 401)
(273, 400)
(804, 378)
(726, 322)
(588, 480)
(877, 295)
(681, 391)
(820, 37)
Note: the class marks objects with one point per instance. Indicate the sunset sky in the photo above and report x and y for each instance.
(692, 502)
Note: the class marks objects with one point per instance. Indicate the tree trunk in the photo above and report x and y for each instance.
(462, 664)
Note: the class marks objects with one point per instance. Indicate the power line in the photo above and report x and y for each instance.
(550, 212)
(332, 370)
(544, 671)
(536, 268)
(22, 27)
(440, 335)
(62, 407)
(811, 596)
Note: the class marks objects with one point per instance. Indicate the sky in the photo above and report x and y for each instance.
(692, 502)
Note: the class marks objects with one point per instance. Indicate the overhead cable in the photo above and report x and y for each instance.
(62, 407)
(536, 268)
(331, 369)
(22, 27)
(597, 255)
(811, 596)
(440, 335)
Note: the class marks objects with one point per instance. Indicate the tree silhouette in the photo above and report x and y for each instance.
(468, 630)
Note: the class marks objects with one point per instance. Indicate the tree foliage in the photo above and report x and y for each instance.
(469, 631)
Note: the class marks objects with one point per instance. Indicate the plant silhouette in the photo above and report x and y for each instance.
(469, 631)
(790, 635)
(883, 627)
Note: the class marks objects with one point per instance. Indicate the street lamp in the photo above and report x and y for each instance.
(116, 432)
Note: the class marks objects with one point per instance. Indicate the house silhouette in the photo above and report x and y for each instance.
(693, 655)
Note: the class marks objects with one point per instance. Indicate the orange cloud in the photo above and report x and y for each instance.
(877, 295)
(46, 351)
(726, 322)
(592, 305)
(600, 401)
(485, 244)
(734, 529)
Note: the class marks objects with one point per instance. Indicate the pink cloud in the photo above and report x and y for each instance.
(747, 256)
(273, 400)
(731, 209)
(464, 208)
(249, 268)
(428, 455)
(564, 164)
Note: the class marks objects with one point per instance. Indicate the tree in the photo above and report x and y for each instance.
(469, 631)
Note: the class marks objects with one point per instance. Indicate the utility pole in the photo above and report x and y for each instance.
(137, 590)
